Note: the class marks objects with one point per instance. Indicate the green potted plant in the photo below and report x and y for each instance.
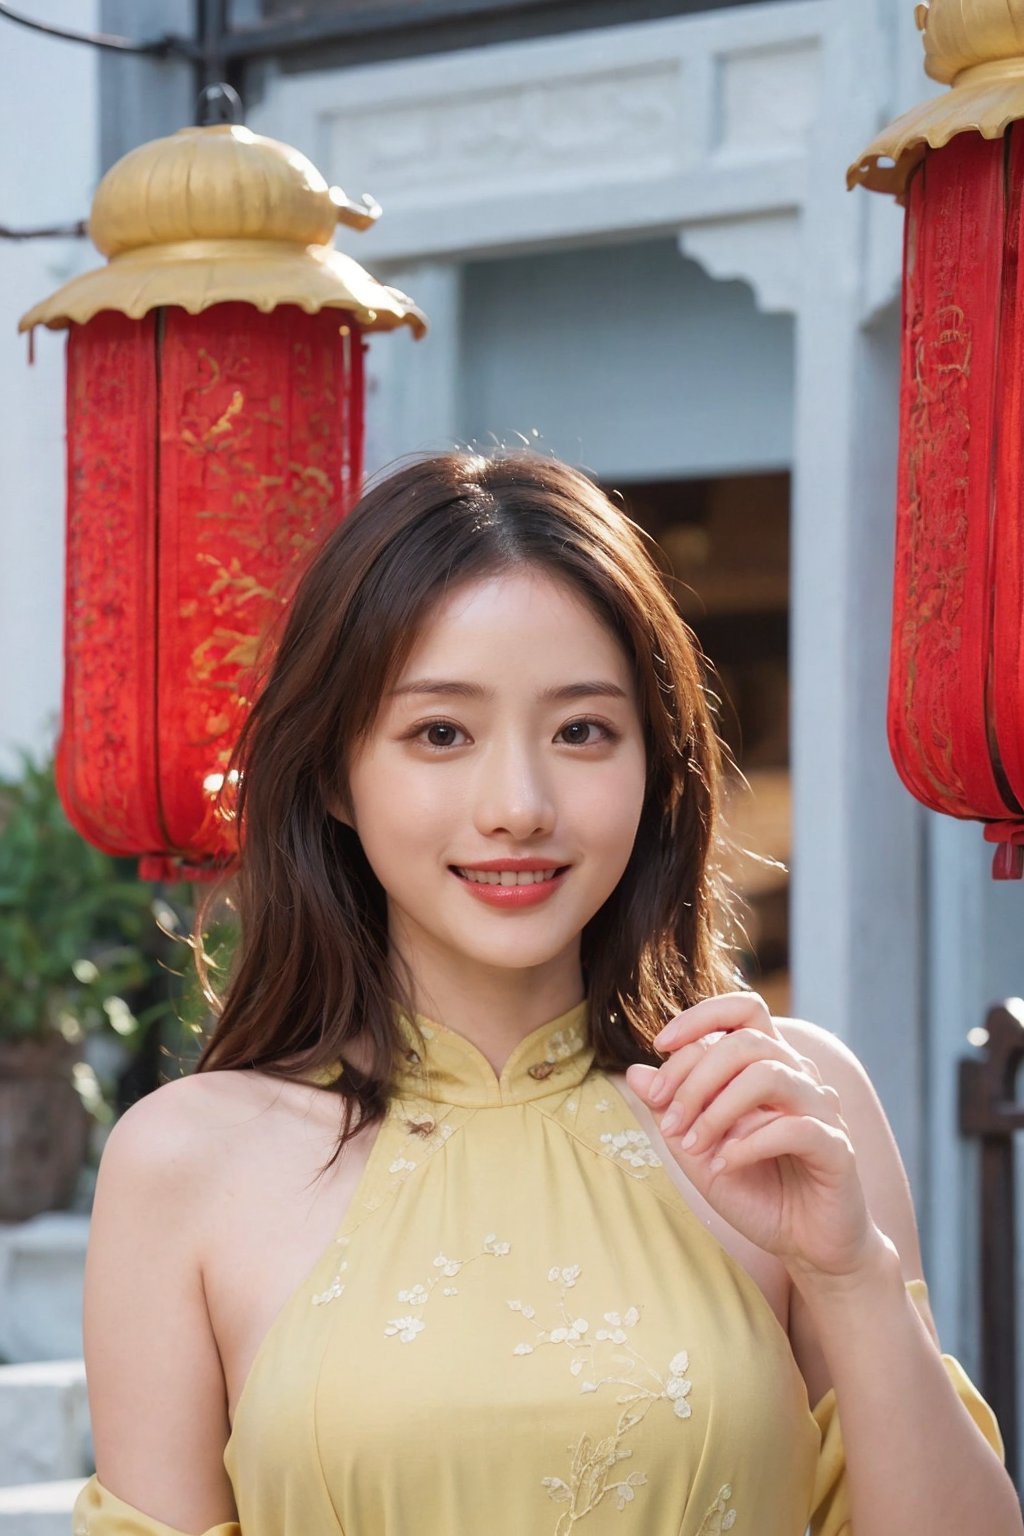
(73, 936)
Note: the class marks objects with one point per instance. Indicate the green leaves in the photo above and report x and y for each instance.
(72, 927)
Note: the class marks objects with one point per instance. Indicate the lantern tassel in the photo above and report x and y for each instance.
(1008, 859)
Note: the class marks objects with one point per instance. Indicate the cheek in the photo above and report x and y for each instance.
(606, 807)
(400, 812)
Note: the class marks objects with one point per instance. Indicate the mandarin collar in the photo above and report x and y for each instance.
(441, 1065)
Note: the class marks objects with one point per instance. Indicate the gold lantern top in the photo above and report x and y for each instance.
(975, 46)
(213, 215)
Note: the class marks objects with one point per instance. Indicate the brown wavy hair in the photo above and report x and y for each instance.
(310, 971)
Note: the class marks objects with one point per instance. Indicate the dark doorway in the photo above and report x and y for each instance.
(725, 546)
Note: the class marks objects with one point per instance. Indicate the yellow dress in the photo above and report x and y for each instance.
(522, 1329)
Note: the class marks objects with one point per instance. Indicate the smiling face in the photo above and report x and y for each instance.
(513, 733)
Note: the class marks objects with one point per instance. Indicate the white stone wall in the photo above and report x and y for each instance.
(48, 130)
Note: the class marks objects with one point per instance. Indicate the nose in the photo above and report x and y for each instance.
(513, 793)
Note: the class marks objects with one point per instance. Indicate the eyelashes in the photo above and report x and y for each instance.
(608, 734)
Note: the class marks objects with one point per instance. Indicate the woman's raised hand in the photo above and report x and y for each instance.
(760, 1135)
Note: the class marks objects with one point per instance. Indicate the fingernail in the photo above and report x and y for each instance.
(660, 1090)
(688, 1140)
(671, 1122)
(665, 1037)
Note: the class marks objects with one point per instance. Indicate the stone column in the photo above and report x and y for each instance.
(412, 387)
(858, 880)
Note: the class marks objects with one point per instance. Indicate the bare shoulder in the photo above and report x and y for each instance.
(870, 1131)
(883, 1175)
(148, 1336)
(832, 1056)
(183, 1122)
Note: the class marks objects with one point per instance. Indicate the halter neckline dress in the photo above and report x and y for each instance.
(520, 1327)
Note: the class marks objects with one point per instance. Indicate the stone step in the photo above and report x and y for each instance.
(42, 1263)
(44, 1423)
(38, 1509)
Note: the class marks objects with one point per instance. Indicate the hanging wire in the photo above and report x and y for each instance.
(53, 232)
(224, 106)
(75, 231)
(159, 47)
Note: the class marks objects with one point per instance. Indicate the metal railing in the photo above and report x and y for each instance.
(989, 1111)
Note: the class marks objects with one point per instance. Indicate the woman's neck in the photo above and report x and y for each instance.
(496, 1010)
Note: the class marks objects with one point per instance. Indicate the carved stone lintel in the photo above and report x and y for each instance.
(763, 250)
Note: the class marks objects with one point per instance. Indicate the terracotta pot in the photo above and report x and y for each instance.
(44, 1127)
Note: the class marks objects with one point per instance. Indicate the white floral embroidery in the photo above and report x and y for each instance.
(564, 1043)
(617, 1336)
(677, 1387)
(415, 1297)
(571, 1335)
(633, 1146)
(520, 1306)
(419, 1294)
(332, 1292)
(718, 1518)
(588, 1480)
(406, 1327)
(603, 1104)
(589, 1484)
(337, 1285)
(400, 1165)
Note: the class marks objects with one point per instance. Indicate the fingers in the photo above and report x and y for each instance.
(728, 1071)
(806, 1137)
(765, 1084)
(695, 1072)
(731, 1010)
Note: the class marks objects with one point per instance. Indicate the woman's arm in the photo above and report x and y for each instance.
(777, 1126)
(914, 1458)
(156, 1388)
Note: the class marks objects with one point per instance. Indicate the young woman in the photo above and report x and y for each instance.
(497, 1205)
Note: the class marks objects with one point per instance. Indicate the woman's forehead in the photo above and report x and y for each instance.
(523, 620)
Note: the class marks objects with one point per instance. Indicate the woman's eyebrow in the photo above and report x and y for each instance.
(595, 688)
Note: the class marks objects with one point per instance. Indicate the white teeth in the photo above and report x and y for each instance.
(508, 876)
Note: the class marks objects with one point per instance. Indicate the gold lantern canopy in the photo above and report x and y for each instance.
(975, 46)
(217, 215)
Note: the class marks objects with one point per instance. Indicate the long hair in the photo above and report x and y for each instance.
(310, 971)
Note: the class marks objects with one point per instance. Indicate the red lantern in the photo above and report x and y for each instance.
(956, 682)
(215, 424)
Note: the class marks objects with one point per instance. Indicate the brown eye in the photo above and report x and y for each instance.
(447, 733)
(583, 727)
